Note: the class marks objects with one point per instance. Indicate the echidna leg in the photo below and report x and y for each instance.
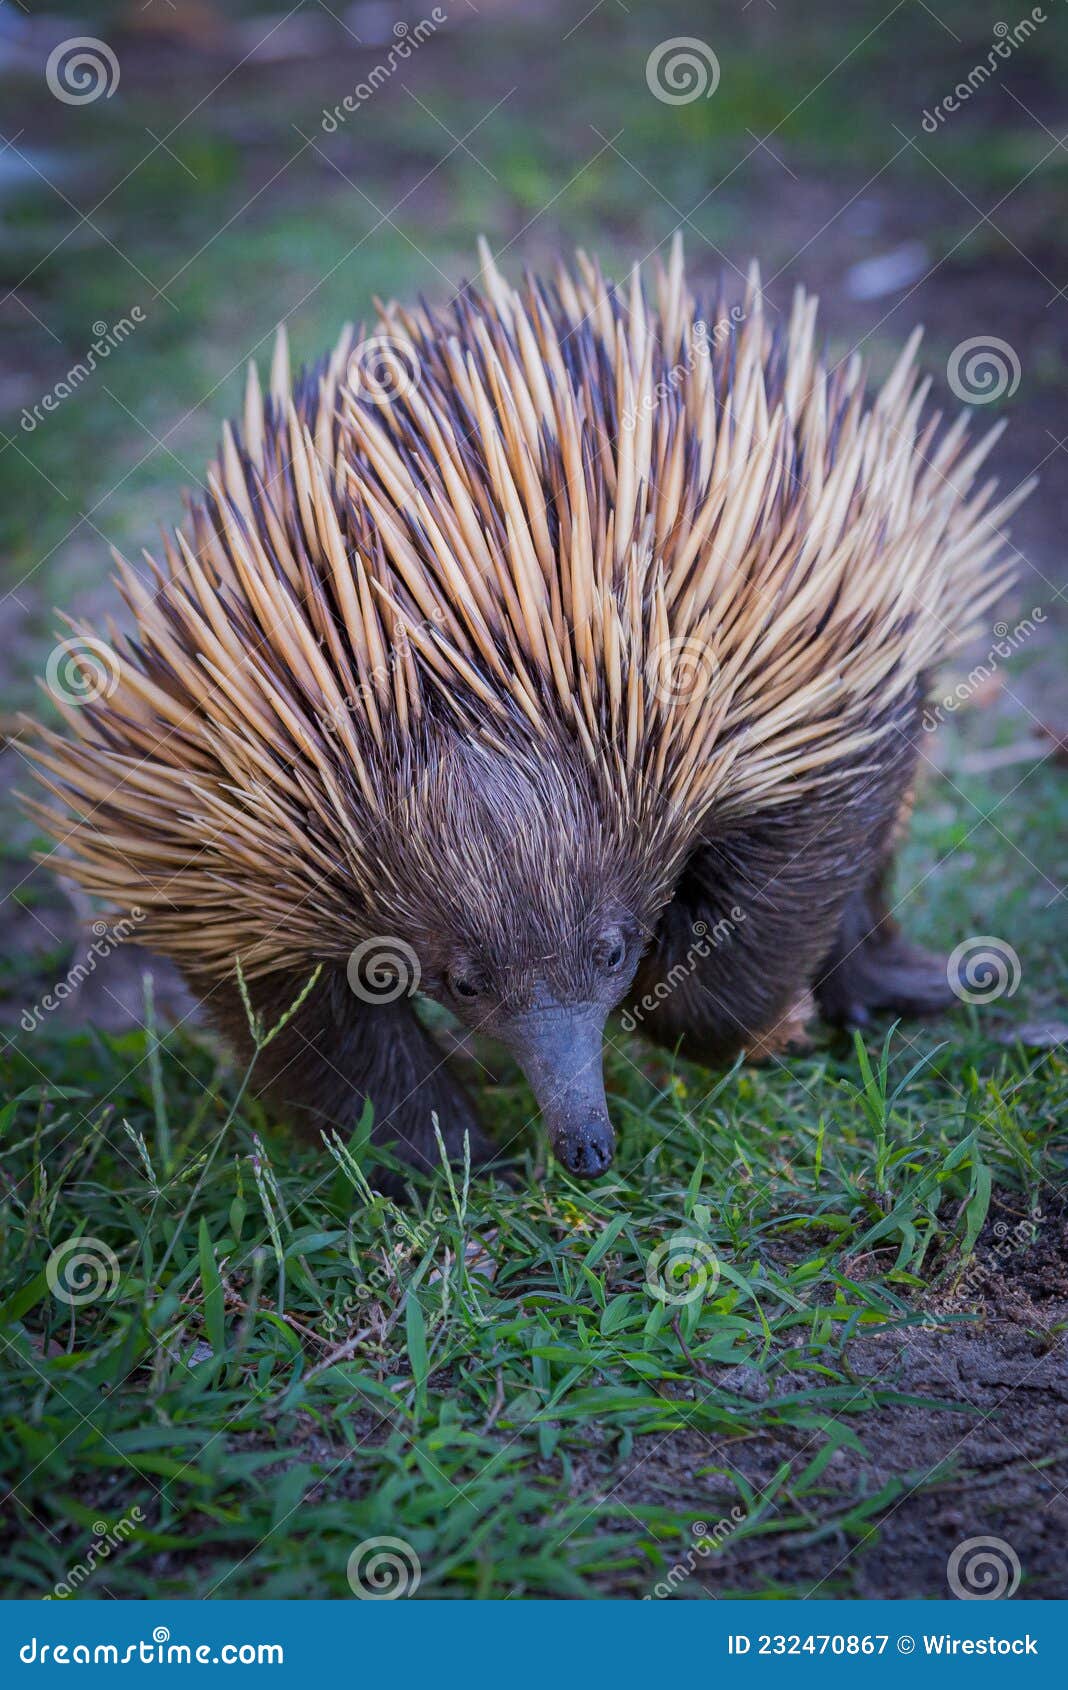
(743, 947)
(873, 969)
(336, 1053)
(734, 952)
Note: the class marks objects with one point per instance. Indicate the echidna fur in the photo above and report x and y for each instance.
(582, 669)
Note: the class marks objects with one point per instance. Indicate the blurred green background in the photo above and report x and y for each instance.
(206, 191)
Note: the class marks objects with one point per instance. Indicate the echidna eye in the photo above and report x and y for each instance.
(610, 950)
(466, 984)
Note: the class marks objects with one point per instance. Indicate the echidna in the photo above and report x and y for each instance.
(559, 650)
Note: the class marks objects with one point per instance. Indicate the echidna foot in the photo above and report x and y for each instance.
(880, 972)
(789, 1035)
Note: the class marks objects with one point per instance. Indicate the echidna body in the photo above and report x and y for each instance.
(551, 652)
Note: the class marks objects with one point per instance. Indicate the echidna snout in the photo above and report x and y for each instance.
(528, 901)
(560, 1050)
(605, 636)
(550, 1015)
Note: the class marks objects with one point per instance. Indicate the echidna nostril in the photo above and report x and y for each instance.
(502, 658)
(586, 1151)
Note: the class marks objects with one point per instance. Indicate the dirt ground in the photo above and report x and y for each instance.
(1007, 1459)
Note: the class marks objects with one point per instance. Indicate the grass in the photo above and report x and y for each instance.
(281, 1364)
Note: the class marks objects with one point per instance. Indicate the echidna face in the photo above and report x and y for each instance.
(528, 913)
(468, 661)
(550, 1012)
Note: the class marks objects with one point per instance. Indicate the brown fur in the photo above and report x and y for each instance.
(596, 629)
